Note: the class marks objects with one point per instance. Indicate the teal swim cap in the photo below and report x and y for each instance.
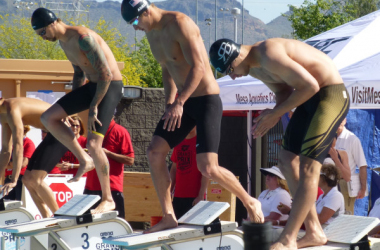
(42, 17)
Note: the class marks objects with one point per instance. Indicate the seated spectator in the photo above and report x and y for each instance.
(187, 182)
(117, 146)
(69, 164)
(276, 193)
(331, 203)
(340, 159)
(29, 148)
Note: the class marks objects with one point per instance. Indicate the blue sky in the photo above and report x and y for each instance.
(265, 10)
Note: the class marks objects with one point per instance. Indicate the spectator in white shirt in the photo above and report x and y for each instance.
(331, 203)
(349, 142)
(277, 192)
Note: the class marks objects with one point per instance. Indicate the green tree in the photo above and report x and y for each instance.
(358, 8)
(19, 41)
(151, 72)
(315, 17)
(311, 18)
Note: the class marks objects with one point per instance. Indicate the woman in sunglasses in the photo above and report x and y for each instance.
(277, 192)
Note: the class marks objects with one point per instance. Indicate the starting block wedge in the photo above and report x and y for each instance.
(200, 229)
(71, 228)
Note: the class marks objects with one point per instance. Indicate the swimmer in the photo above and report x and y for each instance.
(92, 59)
(303, 77)
(14, 114)
(177, 45)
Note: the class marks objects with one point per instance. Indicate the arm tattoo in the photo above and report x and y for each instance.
(78, 79)
(96, 57)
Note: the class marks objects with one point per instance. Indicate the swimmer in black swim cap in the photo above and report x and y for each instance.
(222, 53)
(132, 9)
(41, 19)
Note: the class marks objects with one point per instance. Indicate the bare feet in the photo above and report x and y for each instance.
(280, 246)
(168, 221)
(83, 168)
(312, 239)
(104, 206)
(254, 211)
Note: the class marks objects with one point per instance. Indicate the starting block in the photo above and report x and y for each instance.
(200, 229)
(73, 227)
(345, 232)
(11, 213)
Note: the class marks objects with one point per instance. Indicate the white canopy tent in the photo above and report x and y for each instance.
(354, 47)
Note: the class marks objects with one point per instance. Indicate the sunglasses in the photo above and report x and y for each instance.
(74, 125)
(43, 32)
(229, 70)
(135, 21)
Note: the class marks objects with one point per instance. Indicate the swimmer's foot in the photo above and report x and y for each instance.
(84, 167)
(104, 206)
(168, 221)
(312, 240)
(281, 246)
(254, 211)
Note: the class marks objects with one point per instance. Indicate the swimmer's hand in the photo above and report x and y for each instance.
(264, 122)
(7, 188)
(173, 115)
(93, 118)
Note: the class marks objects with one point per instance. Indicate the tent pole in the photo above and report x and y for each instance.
(249, 151)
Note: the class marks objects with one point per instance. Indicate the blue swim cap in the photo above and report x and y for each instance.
(222, 53)
(42, 17)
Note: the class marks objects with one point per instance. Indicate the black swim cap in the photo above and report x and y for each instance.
(42, 17)
(130, 9)
(222, 53)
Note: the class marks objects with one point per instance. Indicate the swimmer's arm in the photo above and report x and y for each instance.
(169, 86)
(6, 146)
(17, 127)
(97, 59)
(294, 75)
(78, 78)
(191, 44)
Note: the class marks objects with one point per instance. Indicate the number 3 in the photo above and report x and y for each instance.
(85, 235)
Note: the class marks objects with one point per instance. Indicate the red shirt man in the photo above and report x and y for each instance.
(188, 184)
(117, 145)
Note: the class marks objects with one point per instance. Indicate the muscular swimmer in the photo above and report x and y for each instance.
(92, 59)
(303, 77)
(14, 114)
(177, 45)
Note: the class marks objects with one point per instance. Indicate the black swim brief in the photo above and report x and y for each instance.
(314, 124)
(205, 112)
(80, 99)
